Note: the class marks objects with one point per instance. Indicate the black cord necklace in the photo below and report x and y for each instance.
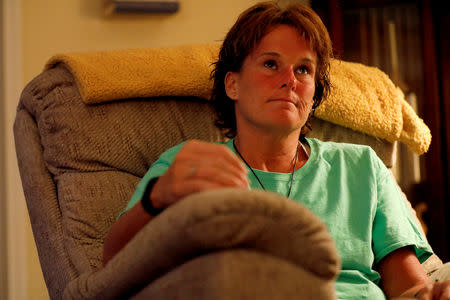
(257, 178)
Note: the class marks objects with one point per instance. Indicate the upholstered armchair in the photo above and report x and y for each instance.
(88, 128)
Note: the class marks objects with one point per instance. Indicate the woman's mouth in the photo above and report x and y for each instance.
(284, 100)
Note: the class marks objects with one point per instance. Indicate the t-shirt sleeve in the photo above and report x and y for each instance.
(394, 225)
(157, 169)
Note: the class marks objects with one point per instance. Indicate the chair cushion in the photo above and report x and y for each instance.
(97, 154)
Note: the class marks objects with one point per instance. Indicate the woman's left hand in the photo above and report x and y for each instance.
(435, 291)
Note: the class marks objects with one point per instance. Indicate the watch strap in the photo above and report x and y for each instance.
(147, 203)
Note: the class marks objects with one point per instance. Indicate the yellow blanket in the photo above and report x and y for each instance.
(363, 98)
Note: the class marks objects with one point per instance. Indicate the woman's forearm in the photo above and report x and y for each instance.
(414, 291)
(124, 230)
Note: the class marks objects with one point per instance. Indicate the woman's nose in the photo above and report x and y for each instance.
(288, 78)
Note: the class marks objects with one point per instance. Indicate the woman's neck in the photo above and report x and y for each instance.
(271, 153)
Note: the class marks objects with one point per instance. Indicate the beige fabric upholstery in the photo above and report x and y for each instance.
(221, 275)
(441, 273)
(216, 221)
(88, 148)
(327, 131)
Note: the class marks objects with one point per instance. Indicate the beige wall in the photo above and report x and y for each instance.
(53, 26)
(3, 260)
(57, 26)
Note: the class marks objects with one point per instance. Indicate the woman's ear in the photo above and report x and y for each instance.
(231, 85)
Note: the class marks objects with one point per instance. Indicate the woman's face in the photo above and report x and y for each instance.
(275, 87)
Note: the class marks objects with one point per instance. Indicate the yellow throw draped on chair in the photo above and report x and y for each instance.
(363, 98)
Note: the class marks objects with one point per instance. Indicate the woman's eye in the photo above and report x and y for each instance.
(303, 70)
(271, 64)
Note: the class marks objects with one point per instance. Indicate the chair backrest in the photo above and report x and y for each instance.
(80, 163)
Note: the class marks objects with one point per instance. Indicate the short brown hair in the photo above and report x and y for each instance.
(251, 26)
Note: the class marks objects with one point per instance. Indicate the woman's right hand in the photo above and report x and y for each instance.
(198, 166)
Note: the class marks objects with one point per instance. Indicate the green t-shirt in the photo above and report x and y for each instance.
(349, 188)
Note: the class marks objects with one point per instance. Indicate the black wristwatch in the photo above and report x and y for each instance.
(147, 203)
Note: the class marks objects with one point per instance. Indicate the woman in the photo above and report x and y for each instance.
(271, 73)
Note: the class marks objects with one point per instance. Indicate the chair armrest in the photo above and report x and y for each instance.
(238, 274)
(207, 222)
(441, 273)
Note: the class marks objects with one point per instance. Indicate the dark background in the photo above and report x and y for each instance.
(360, 32)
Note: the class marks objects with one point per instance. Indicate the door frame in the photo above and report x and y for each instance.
(15, 210)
